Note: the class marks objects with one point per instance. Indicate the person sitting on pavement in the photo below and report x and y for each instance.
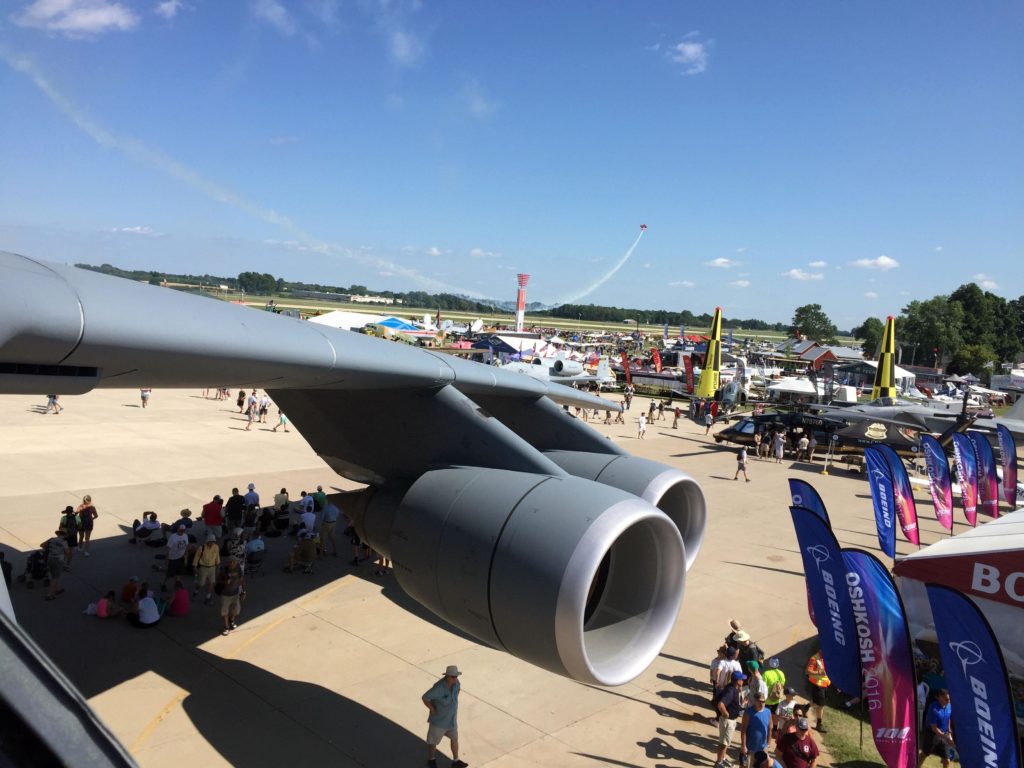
(179, 603)
(304, 551)
(107, 607)
(130, 590)
(148, 530)
(254, 545)
(185, 519)
(145, 613)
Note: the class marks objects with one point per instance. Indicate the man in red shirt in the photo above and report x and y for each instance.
(798, 750)
(213, 516)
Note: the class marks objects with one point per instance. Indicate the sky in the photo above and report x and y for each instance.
(856, 155)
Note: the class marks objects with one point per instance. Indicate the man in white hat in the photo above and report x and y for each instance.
(443, 702)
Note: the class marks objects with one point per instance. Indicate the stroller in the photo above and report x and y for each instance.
(35, 569)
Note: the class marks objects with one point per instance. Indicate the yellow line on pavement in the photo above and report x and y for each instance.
(140, 740)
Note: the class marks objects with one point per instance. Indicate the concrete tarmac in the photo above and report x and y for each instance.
(328, 668)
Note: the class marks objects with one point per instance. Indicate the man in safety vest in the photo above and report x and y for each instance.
(817, 683)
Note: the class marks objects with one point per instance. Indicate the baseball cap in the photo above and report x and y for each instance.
(210, 537)
(252, 487)
(789, 690)
(217, 498)
(730, 653)
(753, 666)
(801, 723)
(773, 662)
(737, 675)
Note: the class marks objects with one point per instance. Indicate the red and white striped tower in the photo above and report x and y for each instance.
(521, 301)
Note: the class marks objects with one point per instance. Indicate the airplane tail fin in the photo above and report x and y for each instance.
(603, 371)
(1016, 410)
(711, 370)
(885, 376)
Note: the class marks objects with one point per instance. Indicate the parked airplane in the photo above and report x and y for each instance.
(562, 371)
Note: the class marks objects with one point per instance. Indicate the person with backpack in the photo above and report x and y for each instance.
(69, 524)
(741, 464)
(775, 679)
(748, 649)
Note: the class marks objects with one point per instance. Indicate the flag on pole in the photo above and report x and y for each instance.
(967, 473)
(1008, 456)
(886, 656)
(988, 479)
(939, 483)
(906, 507)
(882, 493)
(804, 495)
(975, 672)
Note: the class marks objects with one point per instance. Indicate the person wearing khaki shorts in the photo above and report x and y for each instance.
(443, 702)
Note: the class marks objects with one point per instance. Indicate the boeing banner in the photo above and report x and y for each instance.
(1008, 454)
(882, 493)
(825, 572)
(804, 495)
(886, 656)
(988, 479)
(983, 724)
(939, 483)
(967, 472)
(906, 507)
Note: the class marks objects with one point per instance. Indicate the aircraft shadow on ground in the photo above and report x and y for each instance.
(98, 656)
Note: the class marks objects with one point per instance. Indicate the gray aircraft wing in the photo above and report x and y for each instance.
(557, 546)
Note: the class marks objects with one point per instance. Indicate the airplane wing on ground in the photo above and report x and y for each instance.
(503, 514)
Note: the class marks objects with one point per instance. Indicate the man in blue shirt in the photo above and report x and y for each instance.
(443, 702)
(937, 738)
(756, 726)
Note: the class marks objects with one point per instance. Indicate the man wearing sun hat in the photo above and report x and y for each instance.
(798, 750)
(443, 702)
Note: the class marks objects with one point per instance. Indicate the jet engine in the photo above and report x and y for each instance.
(564, 573)
(673, 492)
(567, 368)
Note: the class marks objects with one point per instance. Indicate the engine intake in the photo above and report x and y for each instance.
(567, 368)
(673, 492)
(575, 577)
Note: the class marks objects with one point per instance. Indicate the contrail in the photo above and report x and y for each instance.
(572, 299)
(138, 151)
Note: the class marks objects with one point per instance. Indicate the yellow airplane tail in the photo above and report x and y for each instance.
(885, 376)
(711, 370)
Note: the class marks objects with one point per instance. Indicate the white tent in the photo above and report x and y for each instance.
(986, 564)
(348, 321)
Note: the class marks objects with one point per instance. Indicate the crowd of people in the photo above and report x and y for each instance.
(217, 551)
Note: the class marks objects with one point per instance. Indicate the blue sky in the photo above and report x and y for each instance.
(857, 155)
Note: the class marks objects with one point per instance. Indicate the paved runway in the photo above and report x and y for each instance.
(328, 668)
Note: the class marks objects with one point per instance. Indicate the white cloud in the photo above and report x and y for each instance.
(938, 249)
(818, 264)
(433, 251)
(870, 295)
(986, 282)
(279, 141)
(168, 8)
(275, 14)
(405, 48)
(480, 253)
(740, 283)
(741, 250)
(77, 18)
(691, 53)
(647, 265)
(149, 231)
(721, 263)
(798, 274)
(681, 284)
(883, 263)
(324, 11)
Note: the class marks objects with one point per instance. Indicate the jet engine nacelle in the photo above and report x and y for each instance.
(567, 368)
(673, 492)
(570, 575)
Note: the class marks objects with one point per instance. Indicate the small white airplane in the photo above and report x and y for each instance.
(562, 370)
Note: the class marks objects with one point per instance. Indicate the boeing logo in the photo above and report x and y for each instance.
(968, 652)
(820, 554)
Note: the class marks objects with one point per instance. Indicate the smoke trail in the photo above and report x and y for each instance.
(572, 299)
(138, 151)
